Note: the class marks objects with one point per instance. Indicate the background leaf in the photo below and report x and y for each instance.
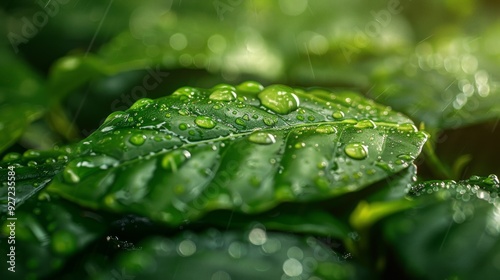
(48, 231)
(250, 255)
(23, 98)
(451, 232)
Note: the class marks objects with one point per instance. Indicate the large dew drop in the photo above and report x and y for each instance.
(70, 175)
(31, 154)
(365, 124)
(250, 86)
(205, 122)
(11, 156)
(326, 129)
(338, 114)
(356, 150)
(223, 95)
(137, 139)
(262, 138)
(279, 98)
(407, 127)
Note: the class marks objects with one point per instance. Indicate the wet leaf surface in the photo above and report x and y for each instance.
(245, 148)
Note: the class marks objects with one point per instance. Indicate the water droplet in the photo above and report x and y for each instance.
(32, 163)
(423, 135)
(183, 112)
(338, 114)
(185, 93)
(399, 162)
(168, 115)
(407, 127)
(384, 165)
(263, 138)
(223, 95)
(365, 124)
(371, 171)
(326, 129)
(174, 159)
(491, 180)
(250, 86)
(240, 121)
(311, 118)
(137, 139)
(70, 175)
(268, 121)
(322, 183)
(279, 99)
(183, 126)
(205, 122)
(11, 156)
(62, 158)
(356, 150)
(31, 154)
(350, 121)
(141, 103)
(357, 175)
(300, 117)
(299, 145)
(224, 86)
(406, 157)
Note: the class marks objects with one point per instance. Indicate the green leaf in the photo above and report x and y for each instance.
(48, 231)
(244, 148)
(22, 98)
(453, 231)
(30, 173)
(256, 254)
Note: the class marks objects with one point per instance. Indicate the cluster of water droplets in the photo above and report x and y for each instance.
(483, 187)
(34, 158)
(157, 125)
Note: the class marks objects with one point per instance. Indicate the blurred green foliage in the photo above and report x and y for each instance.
(67, 64)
